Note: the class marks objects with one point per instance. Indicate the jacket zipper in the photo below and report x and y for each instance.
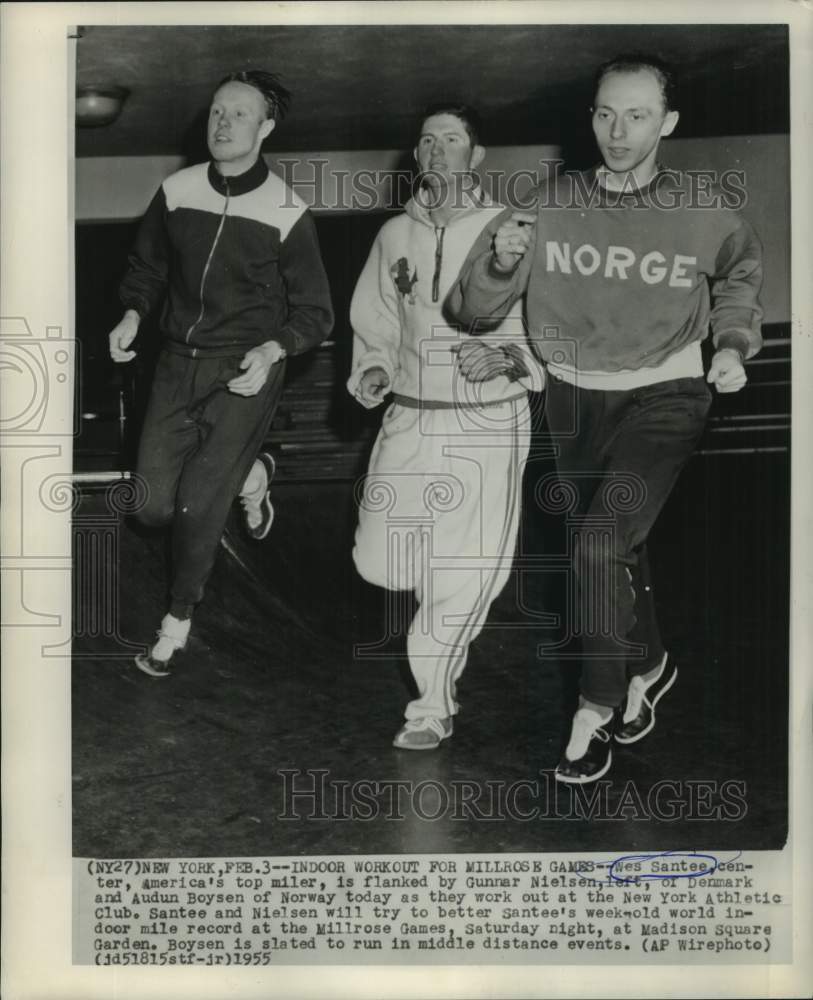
(439, 234)
(191, 329)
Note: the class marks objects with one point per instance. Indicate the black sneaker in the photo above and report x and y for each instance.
(642, 698)
(172, 638)
(596, 759)
(259, 511)
(149, 665)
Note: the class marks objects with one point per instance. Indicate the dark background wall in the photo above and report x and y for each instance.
(358, 94)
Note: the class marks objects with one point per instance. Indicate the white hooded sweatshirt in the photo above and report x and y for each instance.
(397, 318)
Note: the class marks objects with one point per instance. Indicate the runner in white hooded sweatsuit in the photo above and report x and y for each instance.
(440, 508)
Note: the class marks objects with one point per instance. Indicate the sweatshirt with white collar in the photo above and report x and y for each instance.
(622, 283)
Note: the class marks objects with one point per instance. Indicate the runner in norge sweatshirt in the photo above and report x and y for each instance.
(616, 266)
(440, 508)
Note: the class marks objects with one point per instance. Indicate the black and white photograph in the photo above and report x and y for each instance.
(421, 419)
(297, 637)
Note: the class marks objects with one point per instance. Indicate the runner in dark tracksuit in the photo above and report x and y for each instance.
(616, 266)
(236, 255)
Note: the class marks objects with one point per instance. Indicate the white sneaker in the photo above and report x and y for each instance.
(423, 734)
(257, 506)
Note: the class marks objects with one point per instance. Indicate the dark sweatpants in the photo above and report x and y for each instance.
(197, 446)
(621, 451)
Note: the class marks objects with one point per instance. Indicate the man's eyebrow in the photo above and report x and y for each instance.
(608, 107)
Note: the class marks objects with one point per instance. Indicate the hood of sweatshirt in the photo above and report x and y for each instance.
(472, 200)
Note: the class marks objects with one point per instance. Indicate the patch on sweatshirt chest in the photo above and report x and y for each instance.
(404, 284)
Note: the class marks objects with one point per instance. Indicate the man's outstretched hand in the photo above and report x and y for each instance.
(479, 362)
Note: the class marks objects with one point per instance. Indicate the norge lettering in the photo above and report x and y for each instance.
(653, 267)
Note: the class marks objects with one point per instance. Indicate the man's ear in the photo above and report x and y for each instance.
(477, 154)
(669, 123)
(267, 127)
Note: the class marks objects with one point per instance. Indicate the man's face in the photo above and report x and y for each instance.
(237, 125)
(629, 120)
(444, 151)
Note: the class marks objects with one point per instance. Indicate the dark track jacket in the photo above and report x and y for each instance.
(239, 260)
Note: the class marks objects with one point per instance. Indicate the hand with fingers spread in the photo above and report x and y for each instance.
(727, 372)
(372, 386)
(255, 366)
(122, 335)
(512, 240)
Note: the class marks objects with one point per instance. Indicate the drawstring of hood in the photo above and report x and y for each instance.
(440, 231)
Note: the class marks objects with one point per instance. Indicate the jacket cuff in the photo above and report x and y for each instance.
(497, 273)
(736, 340)
(364, 365)
(140, 305)
(294, 342)
(286, 340)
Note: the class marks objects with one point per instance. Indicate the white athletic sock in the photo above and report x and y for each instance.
(635, 697)
(171, 636)
(637, 689)
(585, 723)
